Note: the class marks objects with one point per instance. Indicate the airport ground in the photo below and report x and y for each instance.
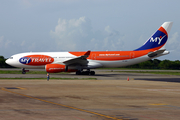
(110, 97)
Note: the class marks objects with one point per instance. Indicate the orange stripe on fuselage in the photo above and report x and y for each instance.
(115, 55)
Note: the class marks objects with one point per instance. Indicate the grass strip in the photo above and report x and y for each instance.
(30, 72)
(53, 78)
(168, 72)
(153, 72)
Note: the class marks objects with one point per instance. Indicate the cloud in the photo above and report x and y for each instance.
(1, 41)
(9, 47)
(25, 3)
(77, 34)
(173, 39)
(69, 34)
(4, 43)
(173, 43)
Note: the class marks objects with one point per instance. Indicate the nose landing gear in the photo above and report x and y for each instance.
(24, 71)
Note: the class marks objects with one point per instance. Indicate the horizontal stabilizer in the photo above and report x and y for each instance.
(156, 53)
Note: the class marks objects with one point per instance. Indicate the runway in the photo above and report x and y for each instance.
(110, 97)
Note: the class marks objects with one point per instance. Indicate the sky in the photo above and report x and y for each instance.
(82, 25)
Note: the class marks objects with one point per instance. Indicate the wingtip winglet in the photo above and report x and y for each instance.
(88, 53)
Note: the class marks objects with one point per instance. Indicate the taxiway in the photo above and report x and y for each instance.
(110, 97)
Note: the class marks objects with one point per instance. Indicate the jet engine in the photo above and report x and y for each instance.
(55, 68)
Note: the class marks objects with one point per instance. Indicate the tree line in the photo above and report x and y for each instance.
(150, 64)
(3, 64)
(157, 64)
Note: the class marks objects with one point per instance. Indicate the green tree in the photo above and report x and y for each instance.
(146, 65)
(2, 62)
(165, 64)
(156, 63)
(175, 65)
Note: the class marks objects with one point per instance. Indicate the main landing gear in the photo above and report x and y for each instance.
(88, 72)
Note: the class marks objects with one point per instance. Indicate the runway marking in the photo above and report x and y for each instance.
(71, 107)
(11, 88)
(158, 104)
(15, 88)
(169, 90)
(21, 88)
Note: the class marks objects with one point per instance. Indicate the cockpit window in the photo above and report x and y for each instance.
(11, 58)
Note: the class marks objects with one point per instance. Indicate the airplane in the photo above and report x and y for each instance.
(54, 62)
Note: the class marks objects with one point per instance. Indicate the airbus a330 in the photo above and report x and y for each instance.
(54, 62)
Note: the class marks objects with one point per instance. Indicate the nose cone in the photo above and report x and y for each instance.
(7, 61)
(10, 62)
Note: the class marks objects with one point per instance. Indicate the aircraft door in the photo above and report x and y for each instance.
(132, 55)
(93, 57)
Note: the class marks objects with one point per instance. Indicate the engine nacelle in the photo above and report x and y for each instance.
(55, 68)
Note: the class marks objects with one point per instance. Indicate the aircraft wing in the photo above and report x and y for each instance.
(81, 60)
(156, 53)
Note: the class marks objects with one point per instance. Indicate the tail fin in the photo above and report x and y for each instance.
(158, 39)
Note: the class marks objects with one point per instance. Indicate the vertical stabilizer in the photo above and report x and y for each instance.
(158, 39)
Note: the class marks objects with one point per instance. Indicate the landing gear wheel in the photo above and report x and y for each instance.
(85, 73)
(78, 72)
(92, 73)
(23, 71)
